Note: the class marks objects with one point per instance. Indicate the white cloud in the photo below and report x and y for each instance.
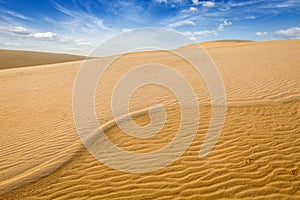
(195, 2)
(223, 24)
(81, 42)
(282, 4)
(161, 1)
(190, 10)
(24, 32)
(15, 14)
(193, 9)
(290, 33)
(73, 49)
(12, 44)
(17, 30)
(13, 33)
(182, 23)
(261, 34)
(29, 39)
(46, 35)
(190, 35)
(205, 33)
(250, 17)
(81, 20)
(71, 41)
(207, 4)
(172, 3)
(126, 29)
(241, 3)
(221, 27)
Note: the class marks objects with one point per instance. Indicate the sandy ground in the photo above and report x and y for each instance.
(256, 157)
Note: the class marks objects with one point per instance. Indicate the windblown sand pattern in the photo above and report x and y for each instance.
(256, 157)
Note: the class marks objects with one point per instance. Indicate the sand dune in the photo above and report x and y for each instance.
(13, 58)
(256, 157)
(218, 43)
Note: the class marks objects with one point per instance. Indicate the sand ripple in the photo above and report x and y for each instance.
(256, 157)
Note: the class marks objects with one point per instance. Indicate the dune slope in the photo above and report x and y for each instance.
(13, 58)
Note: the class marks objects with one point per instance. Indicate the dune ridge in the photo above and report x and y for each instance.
(257, 155)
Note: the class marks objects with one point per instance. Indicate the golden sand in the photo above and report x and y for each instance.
(256, 157)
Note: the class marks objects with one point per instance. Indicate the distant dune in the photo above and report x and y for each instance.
(13, 58)
(217, 43)
(256, 157)
(236, 43)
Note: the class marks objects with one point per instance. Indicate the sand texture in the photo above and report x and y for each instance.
(256, 157)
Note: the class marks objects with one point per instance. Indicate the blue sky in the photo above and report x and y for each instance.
(78, 26)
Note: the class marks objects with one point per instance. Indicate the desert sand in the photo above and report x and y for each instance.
(16, 58)
(256, 157)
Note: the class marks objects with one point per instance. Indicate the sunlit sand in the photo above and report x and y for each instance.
(256, 157)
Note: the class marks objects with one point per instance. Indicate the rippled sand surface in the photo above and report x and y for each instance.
(256, 157)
